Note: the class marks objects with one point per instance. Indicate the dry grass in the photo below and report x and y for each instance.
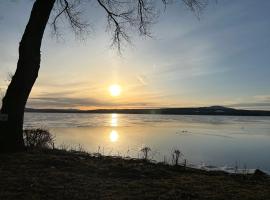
(57, 174)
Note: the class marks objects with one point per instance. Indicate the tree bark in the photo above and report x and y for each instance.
(14, 101)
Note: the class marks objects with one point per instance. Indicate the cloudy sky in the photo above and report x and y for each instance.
(221, 59)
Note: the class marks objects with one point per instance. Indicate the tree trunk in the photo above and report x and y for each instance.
(14, 101)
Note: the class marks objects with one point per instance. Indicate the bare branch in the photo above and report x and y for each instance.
(70, 9)
(196, 6)
(124, 17)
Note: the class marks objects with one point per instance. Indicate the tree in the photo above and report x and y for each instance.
(122, 16)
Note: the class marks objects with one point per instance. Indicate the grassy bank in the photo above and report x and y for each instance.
(55, 174)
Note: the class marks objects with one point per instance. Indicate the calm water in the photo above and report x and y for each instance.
(212, 140)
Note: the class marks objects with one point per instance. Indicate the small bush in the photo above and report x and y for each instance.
(176, 155)
(38, 139)
(145, 153)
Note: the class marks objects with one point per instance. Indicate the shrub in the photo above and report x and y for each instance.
(38, 139)
(176, 155)
(145, 151)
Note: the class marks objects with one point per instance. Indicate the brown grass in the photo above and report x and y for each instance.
(57, 174)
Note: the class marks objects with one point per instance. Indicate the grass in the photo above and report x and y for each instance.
(60, 174)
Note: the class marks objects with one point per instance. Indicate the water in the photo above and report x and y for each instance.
(223, 141)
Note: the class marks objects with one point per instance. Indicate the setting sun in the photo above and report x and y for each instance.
(115, 90)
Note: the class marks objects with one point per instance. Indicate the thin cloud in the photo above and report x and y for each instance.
(260, 104)
(142, 79)
(265, 98)
(66, 102)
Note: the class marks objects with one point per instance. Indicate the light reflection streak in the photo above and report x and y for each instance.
(114, 120)
(114, 136)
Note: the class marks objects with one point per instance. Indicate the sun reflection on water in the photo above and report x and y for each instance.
(114, 120)
(114, 136)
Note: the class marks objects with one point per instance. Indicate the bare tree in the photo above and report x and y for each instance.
(123, 16)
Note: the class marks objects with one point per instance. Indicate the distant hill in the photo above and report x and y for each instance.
(212, 110)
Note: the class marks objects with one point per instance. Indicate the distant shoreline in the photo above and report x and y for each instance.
(213, 110)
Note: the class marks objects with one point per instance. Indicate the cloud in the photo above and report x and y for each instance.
(69, 102)
(142, 79)
(62, 83)
(264, 98)
(261, 102)
(58, 94)
(64, 102)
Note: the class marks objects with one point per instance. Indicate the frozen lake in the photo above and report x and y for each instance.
(223, 141)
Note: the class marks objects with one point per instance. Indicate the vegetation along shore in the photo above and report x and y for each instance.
(46, 173)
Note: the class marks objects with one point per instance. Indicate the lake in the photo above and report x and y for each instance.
(222, 142)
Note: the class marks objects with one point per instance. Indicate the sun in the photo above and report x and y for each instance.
(115, 90)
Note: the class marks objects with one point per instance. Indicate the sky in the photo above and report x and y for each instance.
(220, 59)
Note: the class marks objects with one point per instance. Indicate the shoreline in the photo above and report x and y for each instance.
(212, 110)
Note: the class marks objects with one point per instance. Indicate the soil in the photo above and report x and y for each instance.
(59, 174)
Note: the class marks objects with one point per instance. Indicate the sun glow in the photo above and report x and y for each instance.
(115, 90)
(114, 120)
(114, 136)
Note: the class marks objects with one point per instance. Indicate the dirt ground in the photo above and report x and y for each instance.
(55, 174)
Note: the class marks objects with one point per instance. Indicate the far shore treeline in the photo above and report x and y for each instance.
(213, 110)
